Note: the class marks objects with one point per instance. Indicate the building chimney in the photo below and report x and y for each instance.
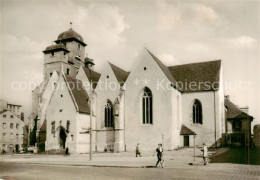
(245, 109)
(22, 116)
(227, 97)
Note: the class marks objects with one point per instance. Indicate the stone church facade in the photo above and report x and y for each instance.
(151, 104)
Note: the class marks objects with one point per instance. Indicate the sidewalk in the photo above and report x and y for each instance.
(123, 159)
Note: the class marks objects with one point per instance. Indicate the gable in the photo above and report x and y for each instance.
(107, 80)
(94, 76)
(150, 69)
(8, 114)
(120, 74)
(234, 112)
(164, 69)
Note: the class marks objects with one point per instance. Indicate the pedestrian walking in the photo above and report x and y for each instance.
(67, 153)
(159, 152)
(205, 154)
(137, 151)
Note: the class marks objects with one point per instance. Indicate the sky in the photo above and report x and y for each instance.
(178, 32)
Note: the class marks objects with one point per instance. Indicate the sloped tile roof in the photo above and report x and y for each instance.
(164, 69)
(205, 76)
(94, 76)
(79, 94)
(56, 47)
(120, 74)
(186, 131)
(70, 34)
(234, 112)
(2, 111)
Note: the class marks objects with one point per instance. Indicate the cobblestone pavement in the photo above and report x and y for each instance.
(176, 165)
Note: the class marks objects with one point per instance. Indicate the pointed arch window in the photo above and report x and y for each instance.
(147, 106)
(109, 115)
(197, 112)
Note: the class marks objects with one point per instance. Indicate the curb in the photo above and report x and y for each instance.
(90, 165)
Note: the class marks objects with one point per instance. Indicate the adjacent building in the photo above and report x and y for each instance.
(238, 124)
(11, 128)
(256, 135)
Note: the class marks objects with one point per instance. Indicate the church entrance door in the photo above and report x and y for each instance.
(63, 137)
(186, 141)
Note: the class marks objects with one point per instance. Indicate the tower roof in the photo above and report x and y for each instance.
(56, 47)
(70, 35)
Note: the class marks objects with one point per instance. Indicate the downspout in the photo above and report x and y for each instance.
(124, 121)
(215, 121)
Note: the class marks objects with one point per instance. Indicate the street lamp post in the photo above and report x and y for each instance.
(194, 136)
(89, 64)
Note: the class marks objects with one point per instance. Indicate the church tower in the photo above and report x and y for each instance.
(66, 55)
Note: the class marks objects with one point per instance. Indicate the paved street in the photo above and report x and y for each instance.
(12, 171)
(122, 165)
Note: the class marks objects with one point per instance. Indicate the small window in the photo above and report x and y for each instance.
(237, 125)
(60, 110)
(107, 77)
(61, 95)
(52, 53)
(17, 126)
(64, 44)
(68, 71)
(11, 116)
(50, 74)
(11, 136)
(4, 115)
(4, 125)
(68, 126)
(78, 46)
(109, 115)
(4, 136)
(53, 127)
(17, 136)
(144, 68)
(11, 125)
(64, 53)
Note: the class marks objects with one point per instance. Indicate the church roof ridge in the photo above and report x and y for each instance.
(165, 69)
(79, 94)
(206, 75)
(94, 76)
(120, 74)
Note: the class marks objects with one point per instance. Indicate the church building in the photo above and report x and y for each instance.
(153, 103)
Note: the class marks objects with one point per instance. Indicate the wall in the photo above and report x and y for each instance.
(74, 51)
(57, 66)
(45, 97)
(68, 113)
(7, 141)
(206, 131)
(83, 123)
(105, 135)
(149, 135)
